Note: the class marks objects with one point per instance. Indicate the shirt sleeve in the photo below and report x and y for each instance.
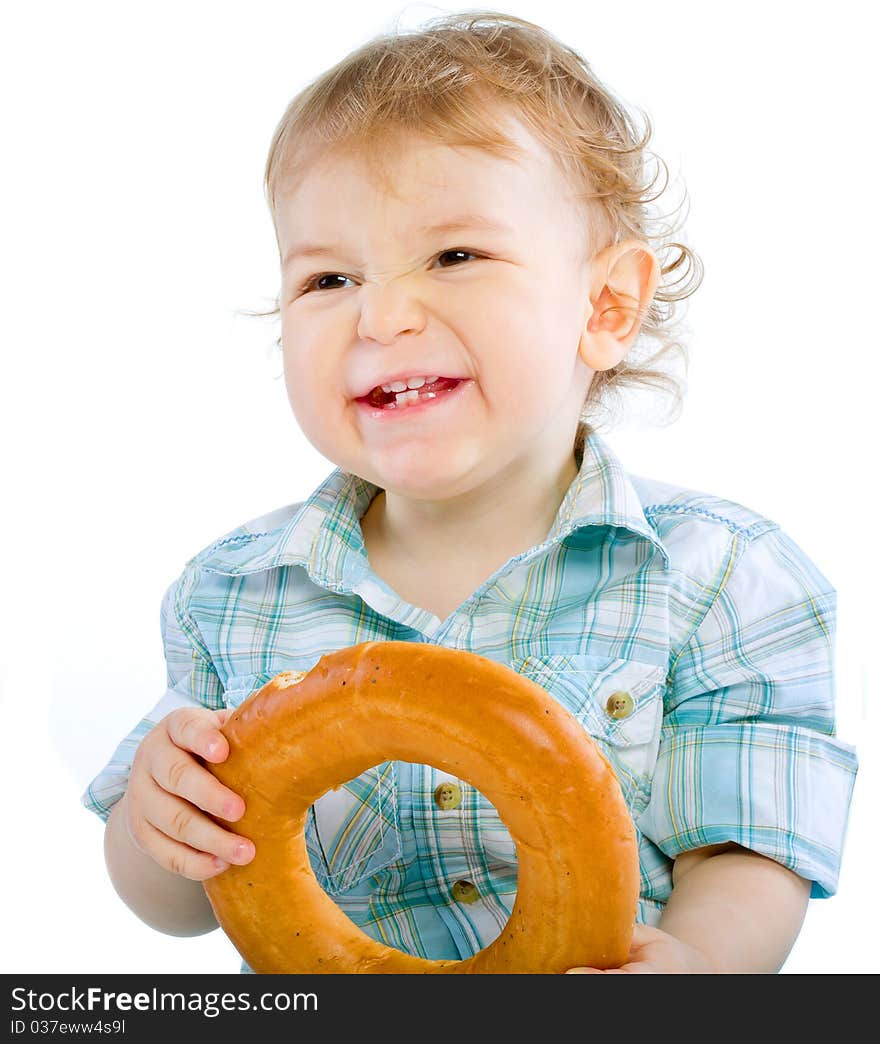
(748, 751)
(192, 682)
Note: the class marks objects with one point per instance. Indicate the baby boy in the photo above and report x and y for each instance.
(467, 274)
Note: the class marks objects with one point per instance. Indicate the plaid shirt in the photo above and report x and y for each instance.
(711, 621)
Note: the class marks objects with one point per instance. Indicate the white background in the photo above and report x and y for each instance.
(143, 415)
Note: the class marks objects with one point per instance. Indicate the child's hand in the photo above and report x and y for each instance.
(168, 789)
(653, 951)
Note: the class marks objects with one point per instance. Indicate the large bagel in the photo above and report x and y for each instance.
(299, 736)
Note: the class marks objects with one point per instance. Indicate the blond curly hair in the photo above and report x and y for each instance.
(445, 81)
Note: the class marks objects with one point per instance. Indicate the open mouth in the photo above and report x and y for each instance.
(391, 400)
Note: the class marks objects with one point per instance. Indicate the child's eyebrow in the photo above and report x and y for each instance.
(461, 223)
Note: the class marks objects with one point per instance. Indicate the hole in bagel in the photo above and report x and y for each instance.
(438, 813)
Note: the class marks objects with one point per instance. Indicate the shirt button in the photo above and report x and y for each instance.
(619, 705)
(447, 795)
(465, 892)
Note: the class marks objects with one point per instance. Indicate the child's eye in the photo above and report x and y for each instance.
(315, 282)
(446, 253)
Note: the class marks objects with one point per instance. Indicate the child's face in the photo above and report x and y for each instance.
(391, 299)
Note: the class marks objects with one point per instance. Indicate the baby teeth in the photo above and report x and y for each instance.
(410, 382)
(408, 392)
(408, 398)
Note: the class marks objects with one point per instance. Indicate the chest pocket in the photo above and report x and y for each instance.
(620, 704)
(351, 832)
(618, 701)
(354, 831)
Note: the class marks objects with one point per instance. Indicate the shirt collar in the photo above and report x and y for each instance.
(324, 535)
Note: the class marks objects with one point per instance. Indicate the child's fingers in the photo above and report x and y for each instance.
(196, 729)
(181, 821)
(177, 772)
(179, 858)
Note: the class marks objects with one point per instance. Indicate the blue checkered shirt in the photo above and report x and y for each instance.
(713, 622)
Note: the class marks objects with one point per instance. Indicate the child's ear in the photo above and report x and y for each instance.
(624, 277)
